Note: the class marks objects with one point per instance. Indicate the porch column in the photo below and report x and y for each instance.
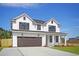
(59, 39)
(14, 44)
(43, 40)
(65, 44)
(53, 40)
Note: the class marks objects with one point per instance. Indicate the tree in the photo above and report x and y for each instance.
(1, 33)
(4, 34)
(1, 29)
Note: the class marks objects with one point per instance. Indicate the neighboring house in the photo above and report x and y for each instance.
(33, 32)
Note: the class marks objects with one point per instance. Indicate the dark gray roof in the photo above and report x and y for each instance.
(39, 21)
(35, 20)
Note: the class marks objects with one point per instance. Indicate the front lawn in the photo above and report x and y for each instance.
(69, 49)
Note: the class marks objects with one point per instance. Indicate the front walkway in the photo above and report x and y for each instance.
(33, 51)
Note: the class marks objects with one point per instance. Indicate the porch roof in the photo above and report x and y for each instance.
(39, 32)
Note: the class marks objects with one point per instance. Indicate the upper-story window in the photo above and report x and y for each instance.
(24, 18)
(38, 27)
(52, 28)
(23, 26)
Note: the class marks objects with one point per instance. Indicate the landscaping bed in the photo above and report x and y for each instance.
(73, 49)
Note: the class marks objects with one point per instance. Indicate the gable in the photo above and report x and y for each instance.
(22, 18)
(52, 22)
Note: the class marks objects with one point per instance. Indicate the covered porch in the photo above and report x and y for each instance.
(56, 38)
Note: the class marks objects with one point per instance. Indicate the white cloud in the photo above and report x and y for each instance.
(20, 4)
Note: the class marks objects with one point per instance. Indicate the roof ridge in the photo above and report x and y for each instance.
(37, 19)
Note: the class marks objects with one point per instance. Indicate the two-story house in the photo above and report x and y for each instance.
(32, 32)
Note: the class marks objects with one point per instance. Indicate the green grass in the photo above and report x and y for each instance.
(69, 49)
(0, 48)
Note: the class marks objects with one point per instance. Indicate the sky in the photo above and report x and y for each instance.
(66, 14)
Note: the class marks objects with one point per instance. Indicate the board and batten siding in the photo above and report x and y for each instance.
(15, 25)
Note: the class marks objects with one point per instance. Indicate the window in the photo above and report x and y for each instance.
(38, 27)
(50, 38)
(24, 18)
(57, 38)
(52, 28)
(23, 26)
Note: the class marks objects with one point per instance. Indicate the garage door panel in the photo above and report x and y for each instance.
(29, 41)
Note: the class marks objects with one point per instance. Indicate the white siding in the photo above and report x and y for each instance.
(33, 26)
(54, 24)
(16, 25)
(14, 41)
(43, 40)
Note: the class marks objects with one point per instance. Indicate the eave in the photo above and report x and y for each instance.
(39, 32)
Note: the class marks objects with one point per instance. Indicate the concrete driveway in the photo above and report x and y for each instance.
(33, 51)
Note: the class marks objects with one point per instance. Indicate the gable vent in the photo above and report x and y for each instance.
(52, 22)
(24, 18)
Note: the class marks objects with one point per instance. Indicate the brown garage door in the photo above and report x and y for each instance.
(29, 41)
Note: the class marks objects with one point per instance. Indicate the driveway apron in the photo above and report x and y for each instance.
(43, 51)
(33, 51)
(10, 52)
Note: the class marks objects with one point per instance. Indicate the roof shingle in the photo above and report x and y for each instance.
(39, 21)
